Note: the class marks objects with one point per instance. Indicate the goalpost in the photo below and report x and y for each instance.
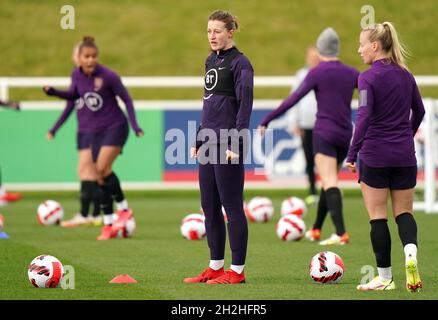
(430, 202)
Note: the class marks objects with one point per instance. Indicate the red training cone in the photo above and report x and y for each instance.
(123, 278)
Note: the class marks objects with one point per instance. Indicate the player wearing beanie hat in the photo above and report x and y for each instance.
(334, 84)
(328, 43)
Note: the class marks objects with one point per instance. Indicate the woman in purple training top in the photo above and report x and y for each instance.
(103, 128)
(228, 99)
(333, 83)
(89, 190)
(384, 139)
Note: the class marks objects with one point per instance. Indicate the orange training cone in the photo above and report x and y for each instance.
(123, 278)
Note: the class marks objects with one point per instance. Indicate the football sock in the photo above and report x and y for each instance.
(86, 196)
(108, 219)
(123, 205)
(381, 242)
(385, 273)
(321, 212)
(334, 205)
(407, 228)
(106, 203)
(216, 264)
(312, 187)
(237, 269)
(112, 184)
(410, 251)
(96, 199)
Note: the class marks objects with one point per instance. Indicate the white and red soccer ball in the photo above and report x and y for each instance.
(128, 229)
(290, 228)
(45, 271)
(294, 205)
(326, 267)
(50, 212)
(260, 209)
(193, 227)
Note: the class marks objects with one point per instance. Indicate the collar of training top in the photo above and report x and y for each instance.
(223, 52)
(96, 71)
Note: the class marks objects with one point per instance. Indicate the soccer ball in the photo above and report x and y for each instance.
(290, 228)
(50, 212)
(326, 267)
(260, 209)
(128, 229)
(294, 205)
(45, 271)
(193, 227)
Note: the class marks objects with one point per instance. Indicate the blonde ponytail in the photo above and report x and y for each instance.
(386, 34)
(398, 52)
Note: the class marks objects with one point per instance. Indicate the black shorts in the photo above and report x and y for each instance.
(113, 136)
(324, 147)
(394, 178)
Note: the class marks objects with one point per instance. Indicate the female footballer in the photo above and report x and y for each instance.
(103, 129)
(89, 190)
(333, 83)
(390, 112)
(228, 99)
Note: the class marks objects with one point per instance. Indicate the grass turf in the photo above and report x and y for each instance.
(159, 258)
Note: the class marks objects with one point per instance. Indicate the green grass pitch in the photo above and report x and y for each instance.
(159, 258)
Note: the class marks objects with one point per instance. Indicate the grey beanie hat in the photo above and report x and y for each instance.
(328, 43)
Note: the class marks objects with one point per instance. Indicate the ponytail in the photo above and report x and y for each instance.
(398, 52)
(386, 34)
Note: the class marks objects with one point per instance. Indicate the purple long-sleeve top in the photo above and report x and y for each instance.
(385, 126)
(97, 107)
(228, 112)
(334, 84)
(63, 117)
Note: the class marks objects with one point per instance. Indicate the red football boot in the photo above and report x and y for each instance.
(229, 277)
(11, 196)
(208, 274)
(107, 233)
(122, 217)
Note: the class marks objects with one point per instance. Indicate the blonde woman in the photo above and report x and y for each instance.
(384, 139)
